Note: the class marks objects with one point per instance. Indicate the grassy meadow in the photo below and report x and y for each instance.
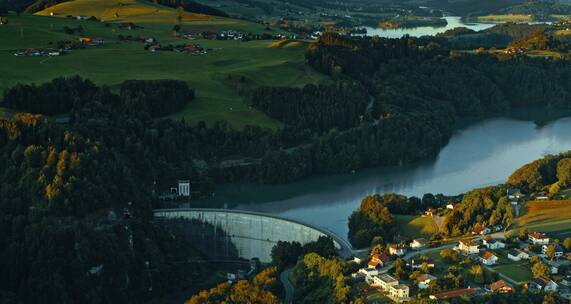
(506, 18)
(551, 217)
(217, 76)
(412, 226)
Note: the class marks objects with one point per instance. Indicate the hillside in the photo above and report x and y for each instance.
(125, 10)
(547, 216)
(214, 75)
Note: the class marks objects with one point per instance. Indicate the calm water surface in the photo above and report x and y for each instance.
(482, 154)
(453, 22)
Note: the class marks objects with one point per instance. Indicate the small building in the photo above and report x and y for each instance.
(500, 287)
(356, 260)
(85, 40)
(418, 244)
(558, 250)
(184, 188)
(515, 194)
(481, 230)
(553, 267)
(463, 292)
(488, 258)
(543, 283)
(397, 249)
(468, 247)
(517, 255)
(424, 280)
(493, 244)
(537, 238)
(430, 212)
(368, 272)
(417, 263)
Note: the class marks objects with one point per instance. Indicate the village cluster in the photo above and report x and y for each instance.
(61, 47)
(488, 247)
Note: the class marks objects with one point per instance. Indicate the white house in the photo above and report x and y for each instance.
(369, 272)
(397, 249)
(558, 250)
(488, 258)
(515, 194)
(543, 284)
(517, 255)
(468, 247)
(494, 244)
(417, 263)
(424, 279)
(537, 238)
(418, 244)
(184, 188)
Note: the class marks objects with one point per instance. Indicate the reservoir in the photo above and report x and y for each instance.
(453, 22)
(480, 154)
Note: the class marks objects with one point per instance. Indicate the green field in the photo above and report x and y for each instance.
(506, 18)
(412, 226)
(551, 217)
(515, 270)
(214, 76)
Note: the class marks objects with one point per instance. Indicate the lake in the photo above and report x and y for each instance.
(453, 22)
(481, 154)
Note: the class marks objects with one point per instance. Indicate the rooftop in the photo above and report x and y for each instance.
(454, 293)
(537, 235)
(387, 278)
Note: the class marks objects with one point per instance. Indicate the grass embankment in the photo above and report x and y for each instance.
(552, 217)
(411, 226)
(217, 98)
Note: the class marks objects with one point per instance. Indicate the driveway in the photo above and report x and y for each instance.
(288, 287)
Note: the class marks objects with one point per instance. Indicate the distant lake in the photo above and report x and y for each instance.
(453, 22)
(481, 154)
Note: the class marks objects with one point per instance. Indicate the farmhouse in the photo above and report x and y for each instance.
(488, 258)
(468, 247)
(397, 249)
(537, 238)
(418, 244)
(515, 194)
(517, 255)
(494, 244)
(424, 279)
(543, 284)
(500, 287)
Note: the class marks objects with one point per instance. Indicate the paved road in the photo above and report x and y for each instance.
(284, 277)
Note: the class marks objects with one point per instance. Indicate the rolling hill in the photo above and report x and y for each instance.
(552, 217)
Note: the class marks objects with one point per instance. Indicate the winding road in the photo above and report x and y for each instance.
(288, 287)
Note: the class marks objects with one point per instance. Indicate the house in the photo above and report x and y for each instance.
(468, 247)
(463, 292)
(418, 244)
(515, 194)
(385, 281)
(399, 293)
(85, 40)
(537, 238)
(356, 260)
(417, 263)
(558, 250)
(542, 196)
(481, 230)
(493, 244)
(452, 206)
(553, 267)
(368, 272)
(517, 255)
(424, 279)
(500, 287)
(430, 212)
(397, 249)
(184, 188)
(543, 283)
(488, 258)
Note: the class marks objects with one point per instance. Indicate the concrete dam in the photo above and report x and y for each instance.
(254, 234)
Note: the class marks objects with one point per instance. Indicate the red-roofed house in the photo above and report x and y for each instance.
(500, 287)
(488, 258)
(397, 249)
(537, 238)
